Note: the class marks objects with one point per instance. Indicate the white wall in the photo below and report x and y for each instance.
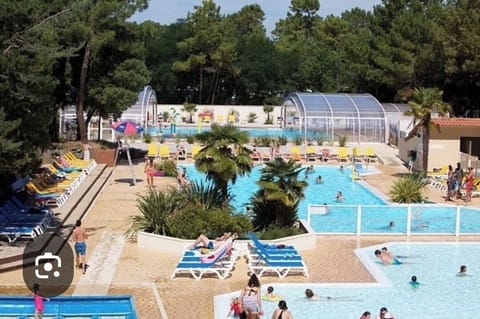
(223, 110)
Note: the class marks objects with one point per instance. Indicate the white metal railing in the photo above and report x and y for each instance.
(395, 219)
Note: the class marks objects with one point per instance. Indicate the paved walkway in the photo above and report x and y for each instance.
(102, 264)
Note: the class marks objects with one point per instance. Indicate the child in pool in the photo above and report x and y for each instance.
(270, 295)
(414, 283)
(235, 309)
(463, 271)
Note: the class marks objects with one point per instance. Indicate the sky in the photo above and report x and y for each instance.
(168, 11)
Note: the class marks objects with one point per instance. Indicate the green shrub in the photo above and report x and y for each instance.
(275, 232)
(155, 207)
(342, 140)
(191, 221)
(251, 117)
(263, 141)
(190, 138)
(147, 138)
(169, 167)
(298, 140)
(408, 189)
(282, 140)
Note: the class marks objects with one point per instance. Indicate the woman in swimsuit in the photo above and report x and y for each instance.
(282, 311)
(250, 297)
(150, 170)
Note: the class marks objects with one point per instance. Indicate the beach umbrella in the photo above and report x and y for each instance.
(127, 127)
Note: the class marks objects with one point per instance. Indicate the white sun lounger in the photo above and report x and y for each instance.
(221, 264)
(281, 268)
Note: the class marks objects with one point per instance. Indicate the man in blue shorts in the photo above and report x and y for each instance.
(79, 238)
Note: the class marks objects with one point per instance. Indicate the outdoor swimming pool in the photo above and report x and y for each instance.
(73, 307)
(289, 133)
(376, 213)
(333, 178)
(441, 293)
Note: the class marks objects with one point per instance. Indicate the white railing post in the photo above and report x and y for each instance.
(409, 219)
(308, 216)
(457, 222)
(359, 219)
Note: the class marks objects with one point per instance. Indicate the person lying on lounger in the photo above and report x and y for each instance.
(205, 242)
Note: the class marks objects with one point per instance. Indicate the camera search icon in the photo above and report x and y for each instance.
(46, 259)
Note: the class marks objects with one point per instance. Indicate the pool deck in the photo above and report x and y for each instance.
(119, 267)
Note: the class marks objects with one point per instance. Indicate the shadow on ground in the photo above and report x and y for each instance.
(127, 180)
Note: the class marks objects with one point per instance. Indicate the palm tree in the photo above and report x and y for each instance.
(423, 103)
(276, 202)
(224, 155)
(190, 108)
(268, 105)
(268, 109)
(155, 208)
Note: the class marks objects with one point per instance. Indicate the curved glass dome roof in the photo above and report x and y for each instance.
(336, 105)
(358, 117)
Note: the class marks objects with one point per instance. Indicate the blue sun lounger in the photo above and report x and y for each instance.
(265, 258)
(13, 233)
(282, 268)
(14, 201)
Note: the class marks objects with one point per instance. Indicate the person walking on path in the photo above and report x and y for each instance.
(38, 302)
(79, 238)
(150, 170)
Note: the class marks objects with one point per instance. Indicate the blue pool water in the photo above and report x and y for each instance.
(254, 132)
(426, 219)
(333, 178)
(376, 213)
(91, 307)
(441, 293)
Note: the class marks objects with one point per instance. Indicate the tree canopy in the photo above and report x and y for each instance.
(92, 55)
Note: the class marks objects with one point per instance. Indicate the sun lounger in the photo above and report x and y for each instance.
(164, 151)
(13, 233)
(342, 154)
(370, 155)
(281, 260)
(195, 149)
(21, 206)
(72, 160)
(275, 247)
(311, 155)
(295, 154)
(219, 263)
(282, 268)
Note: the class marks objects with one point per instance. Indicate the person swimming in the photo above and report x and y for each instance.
(463, 271)
(271, 295)
(413, 282)
(339, 198)
(386, 259)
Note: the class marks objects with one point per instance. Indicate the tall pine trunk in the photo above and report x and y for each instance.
(82, 128)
